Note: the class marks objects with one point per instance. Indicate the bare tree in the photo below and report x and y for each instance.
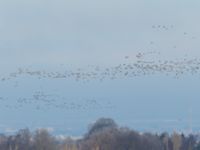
(177, 141)
(43, 140)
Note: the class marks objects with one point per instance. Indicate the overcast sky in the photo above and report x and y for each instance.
(77, 32)
(46, 33)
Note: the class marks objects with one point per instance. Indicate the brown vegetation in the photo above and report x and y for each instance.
(102, 135)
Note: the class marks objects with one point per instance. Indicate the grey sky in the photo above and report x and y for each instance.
(50, 33)
(42, 31)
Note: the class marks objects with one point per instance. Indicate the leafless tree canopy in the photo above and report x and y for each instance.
(104, 134)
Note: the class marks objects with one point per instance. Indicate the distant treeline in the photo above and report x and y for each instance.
(104, 134)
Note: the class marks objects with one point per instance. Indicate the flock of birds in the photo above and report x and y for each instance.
(163, 27)
(160, 27)
(132, 66)
(41, 101)
(139, 67)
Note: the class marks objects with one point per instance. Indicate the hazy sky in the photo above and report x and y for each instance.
(41, 31)
(77, 33)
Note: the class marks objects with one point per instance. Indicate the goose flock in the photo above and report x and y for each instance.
(140, 67)
(130, 66)
(41, 101)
